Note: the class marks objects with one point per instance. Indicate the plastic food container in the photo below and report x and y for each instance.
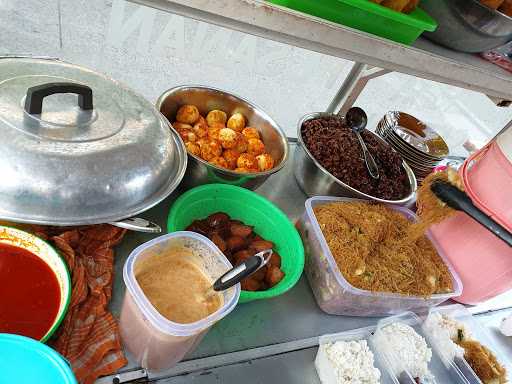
(391, 358)
(368, 17)
(353, 335)
(26, 361)
(483, 261)
(487, 177)
(332, 291)
(252, 209)
(158, 343)
(461, 367)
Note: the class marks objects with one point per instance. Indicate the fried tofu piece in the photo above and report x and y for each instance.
(494, 4)
(396, 5)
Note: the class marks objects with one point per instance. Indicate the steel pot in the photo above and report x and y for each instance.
(79, 148)
(467, 25)
(315, 180)
(201, 172)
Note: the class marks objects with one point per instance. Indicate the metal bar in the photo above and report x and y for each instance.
(500, 102)
(352, 87)
(123, 377)
(505, 128)
(234, 358)
(348, 86)
(425, 59)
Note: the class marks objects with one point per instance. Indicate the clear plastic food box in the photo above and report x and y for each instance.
(156, 342)
(353, 335)
(332, 291)
(382, 360)
(479, 333)
(441, 373)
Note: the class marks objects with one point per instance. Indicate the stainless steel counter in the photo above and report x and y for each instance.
(296, 366)
(266, 341)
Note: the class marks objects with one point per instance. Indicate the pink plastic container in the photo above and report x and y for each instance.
(487, 177)
(156, 342)
(483, 262)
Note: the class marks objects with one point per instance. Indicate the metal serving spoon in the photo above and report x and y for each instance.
(356, 120)
(138, 224)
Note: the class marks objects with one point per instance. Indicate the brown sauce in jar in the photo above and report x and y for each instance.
(176, 286)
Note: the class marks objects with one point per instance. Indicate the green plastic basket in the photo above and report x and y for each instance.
(241, 204)
(368, 17)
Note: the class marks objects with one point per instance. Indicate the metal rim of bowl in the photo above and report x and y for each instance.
(410, 174)
(230, 172)
(494, 11)
(58, 320)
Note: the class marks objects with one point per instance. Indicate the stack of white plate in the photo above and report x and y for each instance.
(418, 144)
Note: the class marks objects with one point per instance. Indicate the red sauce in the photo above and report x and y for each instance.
(29, 293)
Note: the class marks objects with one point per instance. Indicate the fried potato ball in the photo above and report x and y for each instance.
(255, 147)
(231, 156)
(210, 150)
(236, 122)
(213, 133)
(202, 141)
(200, 128)
(193, 148)
(246, 160)
(265, 162)
(251, 133)
(216, 116)
(187, 135)
(188, 114)
(228, 138)
(201, 120)
(177, 126)
(242, 144)
(217, 125)
(219, 162)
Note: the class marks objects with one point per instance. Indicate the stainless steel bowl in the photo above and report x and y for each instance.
(315, 180)
(467, 25)
(206, 99)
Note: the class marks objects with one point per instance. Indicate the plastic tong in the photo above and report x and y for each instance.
(458, 200)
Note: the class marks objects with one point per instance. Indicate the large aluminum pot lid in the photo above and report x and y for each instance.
(79, 148)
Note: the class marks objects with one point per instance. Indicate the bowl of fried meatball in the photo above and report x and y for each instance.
(229, 140)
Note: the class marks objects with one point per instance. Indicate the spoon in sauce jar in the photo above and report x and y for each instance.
(240, 272)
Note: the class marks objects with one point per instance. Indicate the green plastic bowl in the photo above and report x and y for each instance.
(241, 204)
